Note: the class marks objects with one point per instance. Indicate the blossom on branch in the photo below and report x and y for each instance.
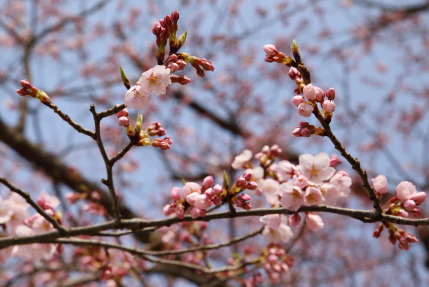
(154, 80)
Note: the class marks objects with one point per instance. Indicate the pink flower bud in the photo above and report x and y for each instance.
(309, 92)
(122, 113)
(328, 106)
(175, 193)
(295, 219)
(402, 213)
(418, 197)
(247, 176)
(319, 94)
(217, 189)
(168, 209)
(335, 160)
(380, 184)
(240, 181)
(409, 205)
(305, 109)
(314, 221)
(417, 212)
(124, 121)
(271, 50)
(207, 182)
(294, 73)
(297, 100)
(306, 132)
(297, 132)
(330, 94)
(252, 185)
(410, 237)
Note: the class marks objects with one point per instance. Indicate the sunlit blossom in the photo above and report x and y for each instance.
(315, 168)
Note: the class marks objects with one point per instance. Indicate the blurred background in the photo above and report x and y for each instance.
(372, 52)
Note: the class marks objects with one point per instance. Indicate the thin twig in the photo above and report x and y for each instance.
(67, 119)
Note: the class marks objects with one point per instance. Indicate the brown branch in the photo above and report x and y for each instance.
(138, 224)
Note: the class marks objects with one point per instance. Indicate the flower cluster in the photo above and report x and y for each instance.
(314, 181)
(276, 262)
(15, 219)
(156, 79)
(143, 137)
(406, 202)
(195, 199)
(306, 95)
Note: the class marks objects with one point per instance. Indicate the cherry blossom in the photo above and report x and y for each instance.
(275, 229)
(154, 80)
(314, 221)
(315, 168)
(241, 160)
(292, 197)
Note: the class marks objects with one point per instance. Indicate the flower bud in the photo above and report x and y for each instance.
(271, 50)
(328, 106)
(330, 94)
(305, 109)
(297, 100)
(309, 92)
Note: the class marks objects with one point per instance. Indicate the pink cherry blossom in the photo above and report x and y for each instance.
(276, 229)
(155, 80)
(5, 211)
(241, 159)
(47, 201)
(284, 170)
(380, 184)
(330, 193)
(270, 188)
(292, 197)
(315, 168)
(313, 196)
(314, 221)
(342, 182)
(134, 98)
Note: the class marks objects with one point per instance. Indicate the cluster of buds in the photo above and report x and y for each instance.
(241, 183)
(305, 130)
(193, 198)
(29, 90)
(166, 29)
(396, 234)
(312, 95)
(276, 262)
(274, 55)
(199, 64)
(123, 119)
(306, 95)
(406, 200)
(143, 137)
(268, 155)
